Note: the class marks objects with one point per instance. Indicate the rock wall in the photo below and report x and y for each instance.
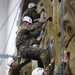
(69, 32)
(52, 32)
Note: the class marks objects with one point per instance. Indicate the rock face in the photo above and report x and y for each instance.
(53, 33)
(69, 19)
(69, 31)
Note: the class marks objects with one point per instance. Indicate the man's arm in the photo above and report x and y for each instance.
(50, 67)
(35, 34)
(25, 62)
(26, 13)
(37, 25)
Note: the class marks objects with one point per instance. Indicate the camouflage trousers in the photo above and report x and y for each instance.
(35, 53)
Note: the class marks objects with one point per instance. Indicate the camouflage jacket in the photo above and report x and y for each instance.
(49, 69)
(32, 14)
(25, 34)
(16, 70)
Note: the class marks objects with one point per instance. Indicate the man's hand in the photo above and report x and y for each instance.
(43, 26)
(48, 18)
(53, 60)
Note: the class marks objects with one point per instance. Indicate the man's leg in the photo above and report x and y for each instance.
(32, 53)
(34, 64)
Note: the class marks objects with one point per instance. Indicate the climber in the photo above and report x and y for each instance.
(23, 40)
(31, 12)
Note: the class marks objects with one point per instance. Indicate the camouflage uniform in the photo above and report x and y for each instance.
(50, 69)
(23, 44)
(32, 14)
(16, 70)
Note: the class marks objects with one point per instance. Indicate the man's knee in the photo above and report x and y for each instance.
(24, 54)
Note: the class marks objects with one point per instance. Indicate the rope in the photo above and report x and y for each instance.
(69, 40)
(43, 31)
(9, 36)
(9, 16)
(71, 11)
(11, 48)
(70, 6)
(61, 38)
(43, 39)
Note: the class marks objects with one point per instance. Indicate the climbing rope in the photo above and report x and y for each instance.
(9, 16)
(61, 37)
(2, 60)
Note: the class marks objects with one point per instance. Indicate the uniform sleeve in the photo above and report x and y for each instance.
(35, 30)
(34, 27)
(26, 13)
(50, 69)
(35, 15)
(21, 36)
(36, 33)
(25, 62)
(19, 66)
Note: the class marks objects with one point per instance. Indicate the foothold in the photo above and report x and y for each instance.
(50, 18)
(59, 0)
(51, 0)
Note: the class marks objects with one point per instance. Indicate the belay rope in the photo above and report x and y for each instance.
(2, 60)
(61, 38)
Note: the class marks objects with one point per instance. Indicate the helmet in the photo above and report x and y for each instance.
(10, 62)
(30, 5)
(37, 71)
(27, 19)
